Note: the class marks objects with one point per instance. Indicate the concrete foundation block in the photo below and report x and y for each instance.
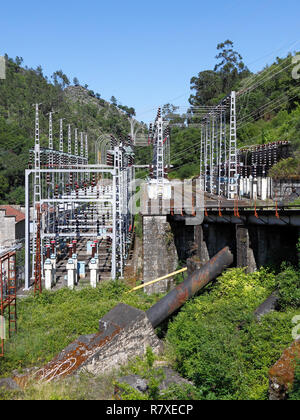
(124, 333)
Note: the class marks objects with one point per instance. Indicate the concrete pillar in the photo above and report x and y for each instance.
(259, 185)
(89, 245)
(94, 268)
(264, 188)
(159, 251)
(71, 273)
(202, 251)
(254, 189)
(245, 255)
(48, 274)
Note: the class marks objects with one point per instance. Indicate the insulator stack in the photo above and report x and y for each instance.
(110, 159)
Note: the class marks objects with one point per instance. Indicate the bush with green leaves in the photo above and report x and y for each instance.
(288, 284)
(216, 341)
(295, 392)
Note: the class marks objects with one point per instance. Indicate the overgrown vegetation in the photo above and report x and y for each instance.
(295, 393)
(288, 285)
(216, 342)
(51, 321)
(286, 168)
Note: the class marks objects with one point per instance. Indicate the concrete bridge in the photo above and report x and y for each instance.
(259, 233)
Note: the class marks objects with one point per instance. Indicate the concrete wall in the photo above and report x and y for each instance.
(159, 250)
(183, 238)
(7, 229)
(217, 237)
(273, 245)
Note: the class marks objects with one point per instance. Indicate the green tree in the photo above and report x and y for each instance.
(4, 186)
(113, 100)
(60, 79)
(230, 66)
(207, 86)
(75, 81)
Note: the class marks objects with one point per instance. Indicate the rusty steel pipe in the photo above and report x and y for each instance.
(184, 291)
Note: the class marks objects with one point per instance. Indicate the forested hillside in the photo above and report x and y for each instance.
(267, 110)
(78, 105)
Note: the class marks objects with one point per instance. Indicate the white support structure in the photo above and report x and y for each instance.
(202, 145)
(61, 136)
(50, 131)
(69, 140)
(76, 142)
(48, 274)
(94, 268)
(73, 201)
(232, 162)
(86, 147)
(222, 152)
(218, 160)
(71, 273)
(159, 149)
(81, 145)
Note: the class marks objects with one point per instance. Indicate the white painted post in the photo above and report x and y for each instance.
(70, 270)
(254, 190)
(93, 266)
(48, 274)
(264, 188)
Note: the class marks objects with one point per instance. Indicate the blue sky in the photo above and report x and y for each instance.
(144, 53)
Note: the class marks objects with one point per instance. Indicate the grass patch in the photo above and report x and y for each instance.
(48, 323)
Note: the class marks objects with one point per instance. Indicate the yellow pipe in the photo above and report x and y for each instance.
(156, 280)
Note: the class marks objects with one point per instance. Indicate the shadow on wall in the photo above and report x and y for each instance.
(272, 245)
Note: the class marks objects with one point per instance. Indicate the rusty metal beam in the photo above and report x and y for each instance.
(184, 291)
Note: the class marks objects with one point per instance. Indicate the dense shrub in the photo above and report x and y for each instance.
(295, 393)
(288, 283)
(216, 342)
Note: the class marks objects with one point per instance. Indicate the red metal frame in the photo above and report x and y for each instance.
(8, 294)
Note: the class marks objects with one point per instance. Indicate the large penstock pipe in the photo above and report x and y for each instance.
(184, 291)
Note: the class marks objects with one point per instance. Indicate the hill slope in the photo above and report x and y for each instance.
(267, 111)
(80, 107)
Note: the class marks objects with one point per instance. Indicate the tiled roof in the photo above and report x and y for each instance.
(11, 211)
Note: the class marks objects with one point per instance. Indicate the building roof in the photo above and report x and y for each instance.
(11, 211)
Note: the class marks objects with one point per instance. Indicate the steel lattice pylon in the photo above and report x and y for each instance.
(218, 150)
